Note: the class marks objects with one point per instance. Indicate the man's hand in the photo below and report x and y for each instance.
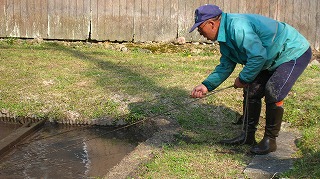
(238, 84)
(199, 91)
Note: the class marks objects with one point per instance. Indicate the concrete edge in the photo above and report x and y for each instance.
(7, 143)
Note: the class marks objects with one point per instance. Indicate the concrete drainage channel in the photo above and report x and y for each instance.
(41, 149)
(90, 152)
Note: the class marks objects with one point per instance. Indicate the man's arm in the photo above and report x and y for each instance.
(220, 73)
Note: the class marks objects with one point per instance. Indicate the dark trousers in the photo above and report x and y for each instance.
(275, 85)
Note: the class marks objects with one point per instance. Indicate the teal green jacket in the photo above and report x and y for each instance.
(257, 42)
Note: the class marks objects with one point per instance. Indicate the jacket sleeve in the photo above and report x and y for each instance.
(220, 73)
(248, 41)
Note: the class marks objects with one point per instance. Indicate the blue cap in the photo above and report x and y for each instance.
(204, 13)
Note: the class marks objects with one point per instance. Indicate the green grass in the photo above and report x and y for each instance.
(84, 81)
(195, 161)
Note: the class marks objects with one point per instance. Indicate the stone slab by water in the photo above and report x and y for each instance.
(274, 163)
(7, 128)
(19, 134)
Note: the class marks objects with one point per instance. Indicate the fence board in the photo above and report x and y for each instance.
(24, 18)
(3, 17)
(144, 21)
(251, 6)
(17, 18)
(10, 25)
(116, 23)
(73, 16)
(242, 6)
(53, 19)
(105, 24)
(312, 22)
(182, 19)
(234, 6)
(265, 10)
(227, 6)
(220, 3)
(99, 18)
(84, 10)
(137, 21)
(31, 18)
(169, 20)
(126, 20)
(282, 10)
(67, 19)
(41, 7)
(93, 19)
(289, 12)
(297, 15)
(190, 7)
(274, 10)
(317, 39)
(157, 27)
(85, 18)
(304, 19)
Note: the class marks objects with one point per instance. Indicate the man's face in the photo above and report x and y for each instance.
(209, 29)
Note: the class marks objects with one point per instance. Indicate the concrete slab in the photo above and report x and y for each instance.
(274, 163)
(15, 137)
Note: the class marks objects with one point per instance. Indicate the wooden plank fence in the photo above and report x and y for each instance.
(140, 20)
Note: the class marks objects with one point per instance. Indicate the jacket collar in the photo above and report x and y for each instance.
(222, 29)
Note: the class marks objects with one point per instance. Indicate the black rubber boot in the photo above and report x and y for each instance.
(240, 119)
(249, 129)
(268, 144)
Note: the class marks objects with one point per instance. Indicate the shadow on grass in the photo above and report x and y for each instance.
(201, 123)
(308, 166)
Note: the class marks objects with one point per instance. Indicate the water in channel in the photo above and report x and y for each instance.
(62, 151)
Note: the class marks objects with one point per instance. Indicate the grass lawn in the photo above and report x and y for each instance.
(85, 82)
